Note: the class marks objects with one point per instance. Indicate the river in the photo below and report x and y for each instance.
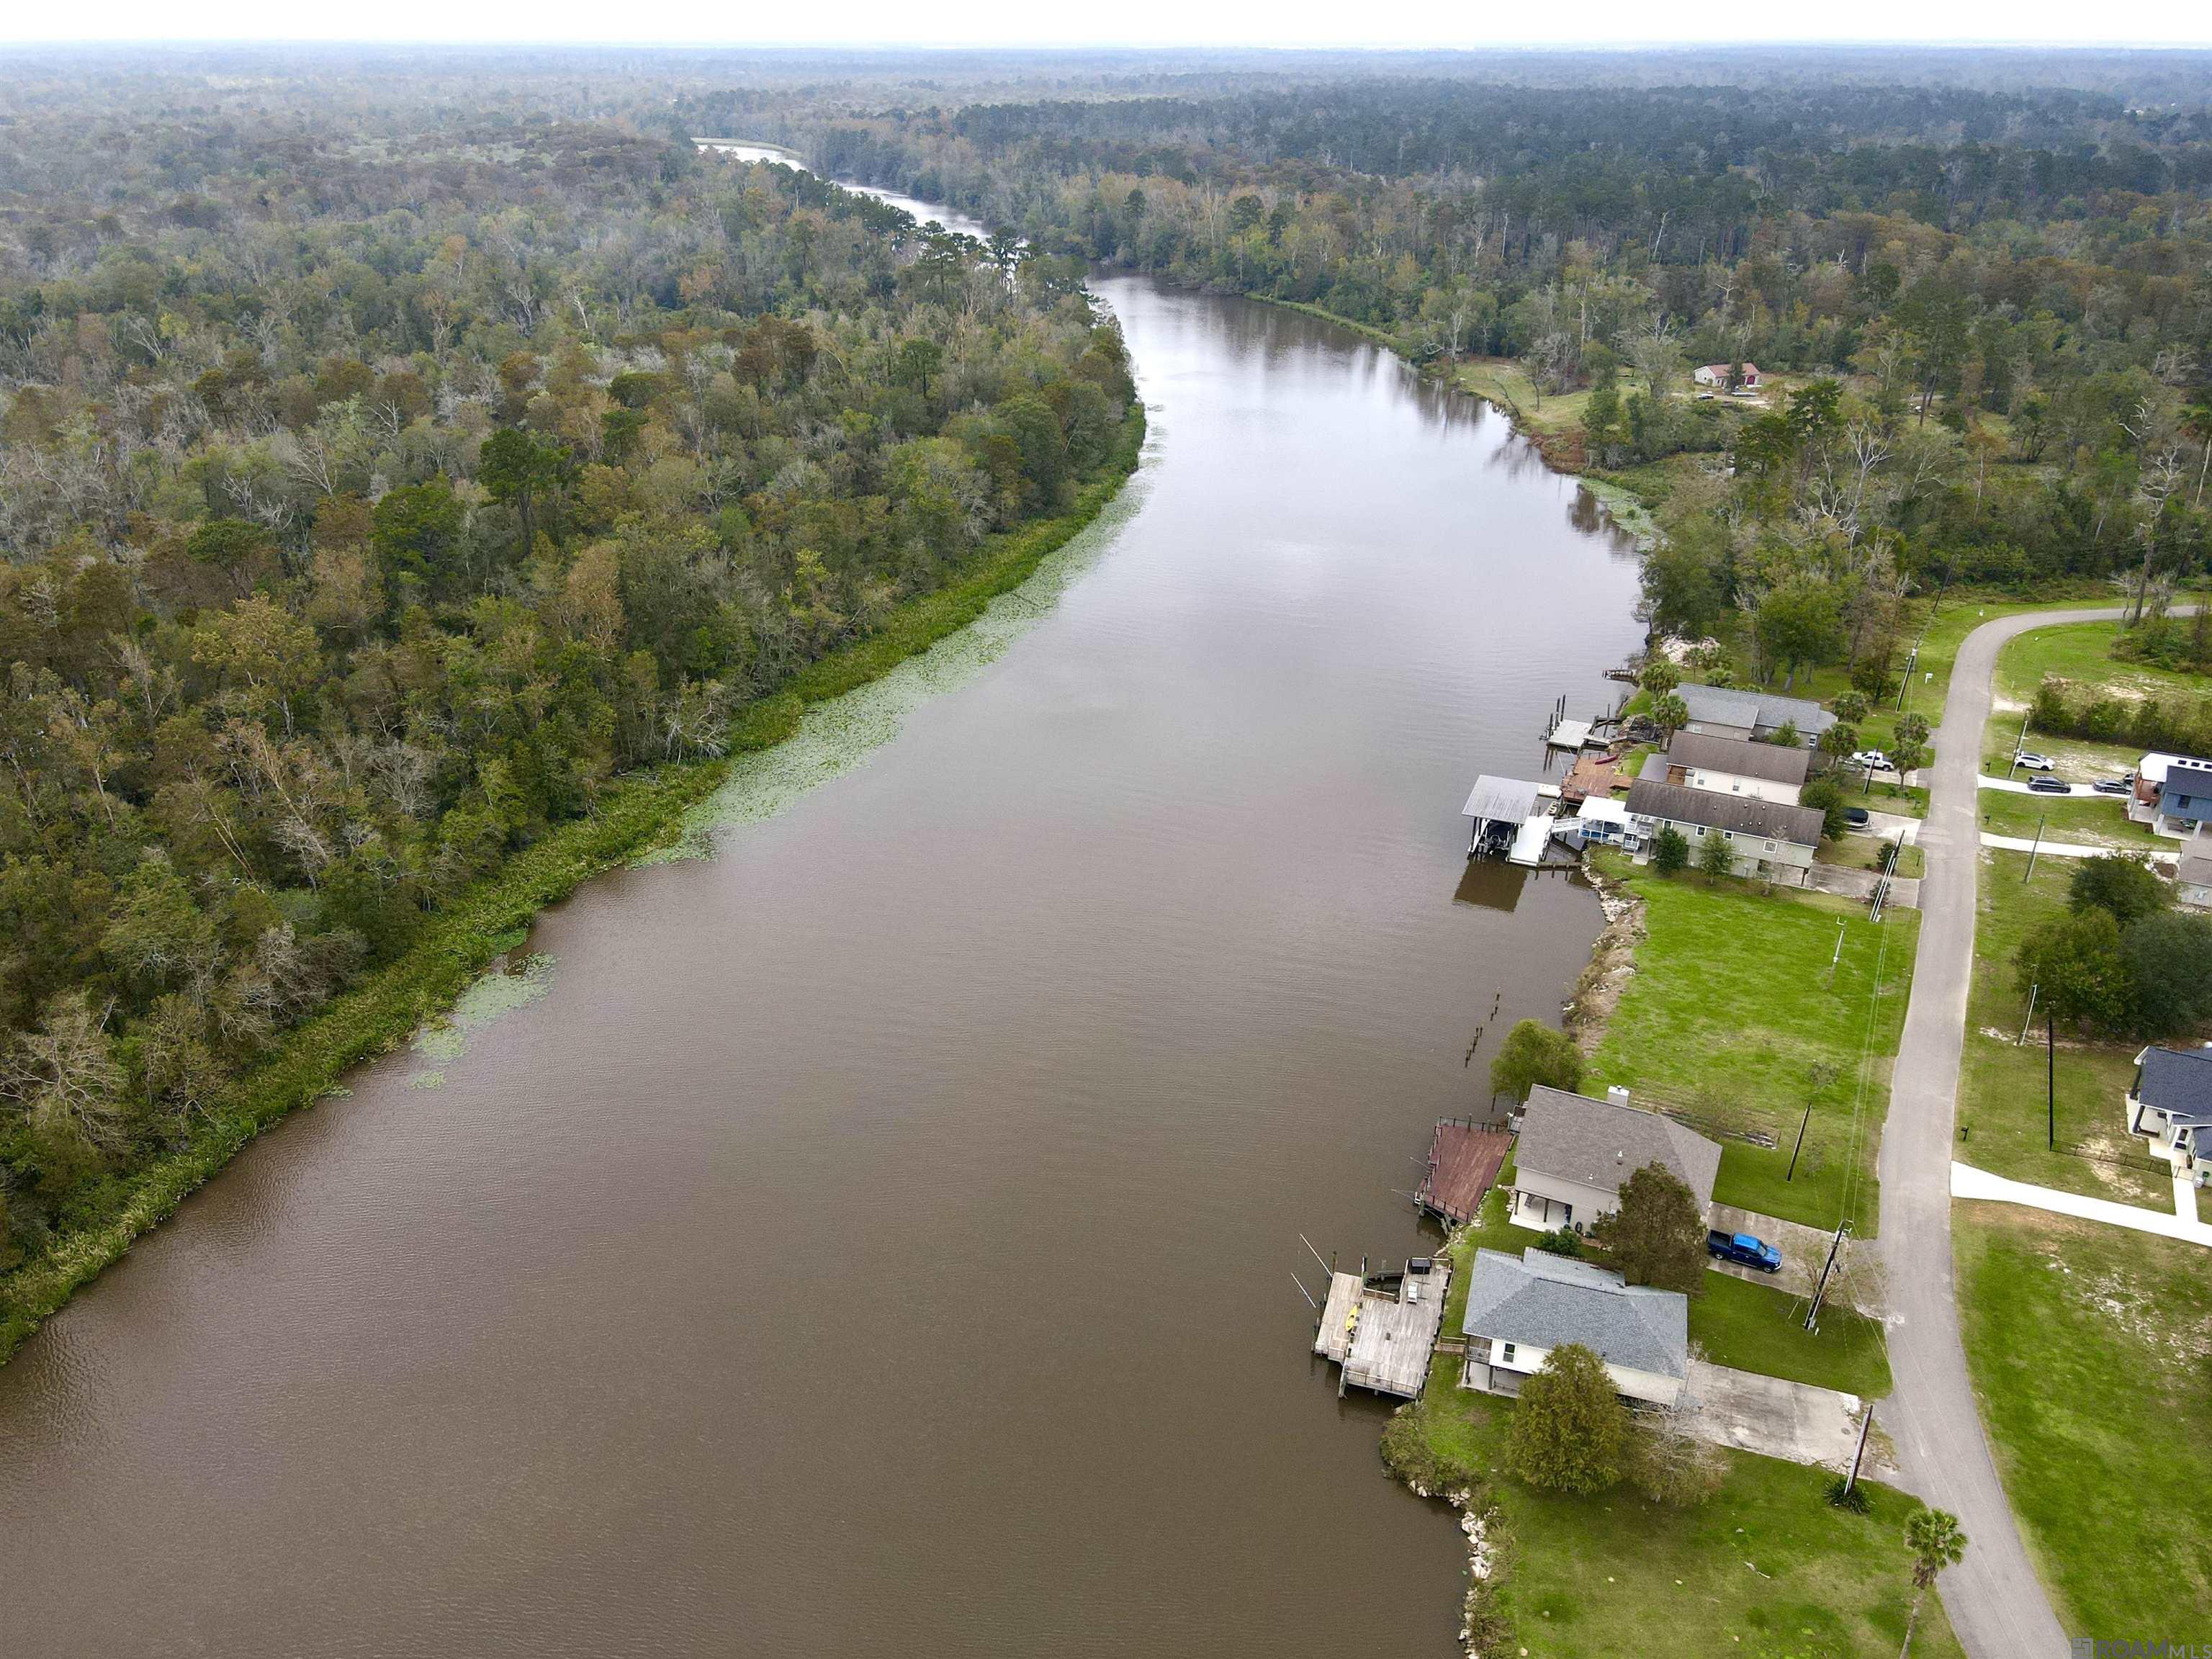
(877, 1238)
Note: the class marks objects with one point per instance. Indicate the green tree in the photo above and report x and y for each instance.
(1935, 1541)
(1799, 622)
(1850, 707)
(1715, 855)
(1670, 850)
(1670, 714)
(1534, 1053)
(1660, 676)
(1827, 795)
(2124, 885)
(1570, 1431)
(2077, 961)
(1657, 1235)
(514, 468)
(416, 531)
(1838, 742)
(2169, 964)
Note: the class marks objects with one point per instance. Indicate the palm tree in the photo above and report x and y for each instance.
(1935, 1541)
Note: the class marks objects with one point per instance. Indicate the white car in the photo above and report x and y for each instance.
(2035, 762)
(1873, 757)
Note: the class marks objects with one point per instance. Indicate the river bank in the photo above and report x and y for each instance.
(639, 814)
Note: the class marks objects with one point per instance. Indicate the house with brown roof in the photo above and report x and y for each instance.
(1736, 766)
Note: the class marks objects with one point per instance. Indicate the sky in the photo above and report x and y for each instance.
(1464, 23)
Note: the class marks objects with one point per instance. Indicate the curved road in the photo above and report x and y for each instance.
(1996, 1603)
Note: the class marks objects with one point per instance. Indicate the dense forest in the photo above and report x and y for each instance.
(383, 473)
(1983, 310)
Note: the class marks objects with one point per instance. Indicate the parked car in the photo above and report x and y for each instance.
(1873, 757)
(2050, 786)
(2035, 762)
(1745, 1250)
(1856, 817)
(2114, 785)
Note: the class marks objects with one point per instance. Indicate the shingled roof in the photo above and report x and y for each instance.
(1546, 1301)
(1594, 1143)
(1741, 756)
(1744, 814)
(2177, 1082)
(1731, 705)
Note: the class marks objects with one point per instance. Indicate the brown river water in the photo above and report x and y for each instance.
(877, 1238)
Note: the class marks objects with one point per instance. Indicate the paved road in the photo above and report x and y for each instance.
(1996, 1603)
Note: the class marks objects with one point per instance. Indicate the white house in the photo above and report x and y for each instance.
(1718, 376)
(1766, 839)
(1518, 1309)
(1574, 1153)
(1736, 766)
(2170, 1106)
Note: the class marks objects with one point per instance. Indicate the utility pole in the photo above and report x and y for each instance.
(1835, 961)
(2019, 744)
(1852, 1479)
(2033, 991)
(1813, 1311)
(2050, 1082)
(1800, 1146)
(2036, 851)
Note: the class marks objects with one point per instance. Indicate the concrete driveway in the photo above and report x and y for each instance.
(1803, 1248)
(1847, 883)
(1777, 1418)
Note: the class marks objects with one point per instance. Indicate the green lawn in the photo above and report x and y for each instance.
(2091, 1349)
(1756, 1327)
(2082, 653)
(1731, 1015)
(2096, 820)
(1766, 1569)
(2001, 1112)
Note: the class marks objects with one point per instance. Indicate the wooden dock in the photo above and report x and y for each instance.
(1381, 1331)
(1464, 1158)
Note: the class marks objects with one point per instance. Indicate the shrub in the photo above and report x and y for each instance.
(1564, 1242)
(1534, 1053)
(1569, 1429)
(1845, 1496)
(1670, 850)
(1410, 1455)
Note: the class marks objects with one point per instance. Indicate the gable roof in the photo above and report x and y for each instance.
(1744, 815)
(1501, 798)
(1732, 705)
(1548, 1301)
(2190, 779)
(1741, 756)
(1595, 1143)
(2177, 1082)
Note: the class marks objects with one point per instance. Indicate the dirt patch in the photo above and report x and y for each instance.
(1612, 961)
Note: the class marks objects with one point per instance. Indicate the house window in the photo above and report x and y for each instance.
(1505, 1355)
(1728, 835)
(1570, 1212)
(1770, 847)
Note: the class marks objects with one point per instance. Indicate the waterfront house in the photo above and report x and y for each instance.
(1736, 766)
(1767, 840)
(1730, 711)
(1574, 1152)
(2170, 1106)
(1519, 1309)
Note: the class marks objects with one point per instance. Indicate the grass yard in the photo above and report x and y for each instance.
(1766, 1569)
(2092, 820)
(2001, 1112)
(2091, 1349)
(1731, 1015)
(1756, 1327)
(2082, 653)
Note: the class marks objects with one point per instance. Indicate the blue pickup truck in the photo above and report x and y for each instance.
(1744, 1249)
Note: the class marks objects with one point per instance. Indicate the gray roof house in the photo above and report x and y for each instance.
(1736, 766)
(2170, 1105)
(2192, 877)
(1574, 1153)
(2185, 798)
(1730, 711)
(1519, 1309)
(1773, 839)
